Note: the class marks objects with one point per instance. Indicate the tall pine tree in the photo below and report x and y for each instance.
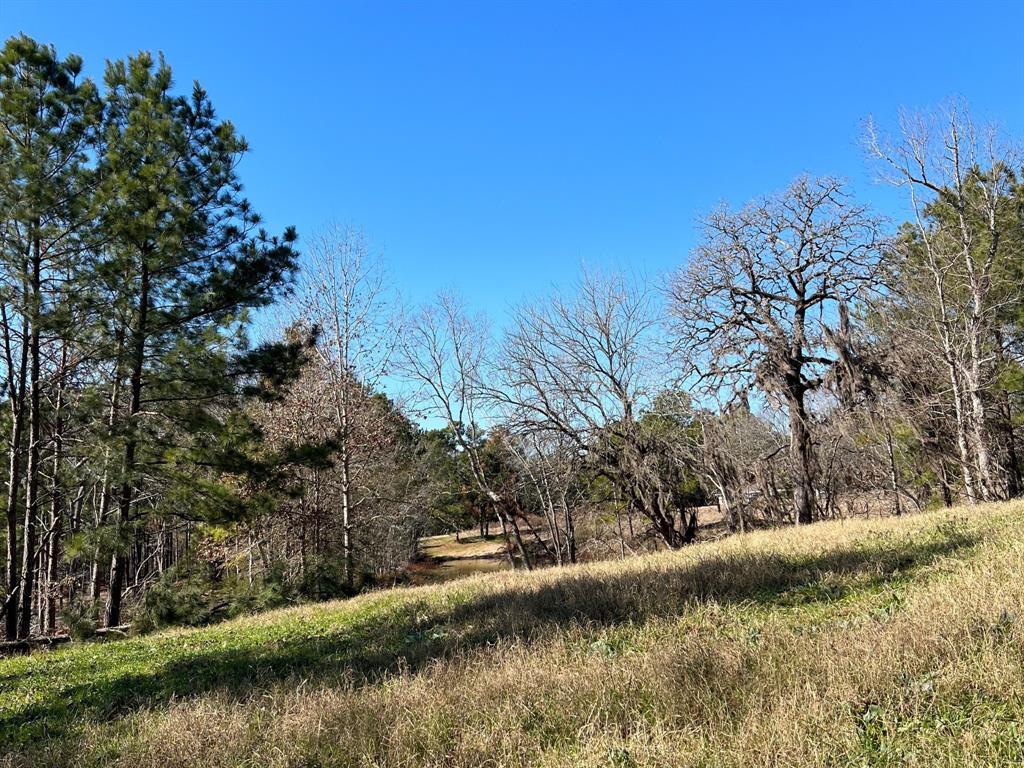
(48, 116)
(185, 259)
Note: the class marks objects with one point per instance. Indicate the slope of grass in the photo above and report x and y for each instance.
(842, 644)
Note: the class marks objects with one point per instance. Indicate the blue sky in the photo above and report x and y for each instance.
(496, 146)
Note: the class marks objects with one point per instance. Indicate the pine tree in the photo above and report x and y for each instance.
(49, 116)
(185, 259)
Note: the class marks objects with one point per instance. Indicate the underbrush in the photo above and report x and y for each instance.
(191, 594)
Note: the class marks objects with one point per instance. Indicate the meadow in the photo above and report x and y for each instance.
(847, 643)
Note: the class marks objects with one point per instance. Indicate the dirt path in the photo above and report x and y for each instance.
(443, 558)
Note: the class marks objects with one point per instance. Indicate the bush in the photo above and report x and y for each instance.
(81, 617)
(181, 596)
(322, 579)
(193, 594)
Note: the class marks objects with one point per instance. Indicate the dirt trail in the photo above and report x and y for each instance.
(443, 558)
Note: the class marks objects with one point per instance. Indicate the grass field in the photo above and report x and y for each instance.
(889, 643)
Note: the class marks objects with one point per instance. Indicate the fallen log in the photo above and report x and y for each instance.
(11, 647)
(119, 631)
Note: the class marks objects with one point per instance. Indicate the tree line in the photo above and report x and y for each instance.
(810, 360)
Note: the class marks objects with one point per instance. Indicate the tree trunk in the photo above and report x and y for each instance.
(96, 574)
(517, 536)
(29, 553)
(512, 533)
(508, 542)
(556, 538)
(570, 530)
(56, 513)
(801, 454)
(947, 493)
(979, 430)
(346, 519)
(978, 331)
(1013, 479)
(894, 478)
(622, 536)
(118, 562)
(689, 515)
(97, 569)
(17, 398)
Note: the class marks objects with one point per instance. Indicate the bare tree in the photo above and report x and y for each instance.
(735, 451)
(755, 304)
(551, 469)
(585, 369)
(958, 178)
(443, 354)
(346, 297)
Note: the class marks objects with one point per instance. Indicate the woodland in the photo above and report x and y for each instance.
(202, 418)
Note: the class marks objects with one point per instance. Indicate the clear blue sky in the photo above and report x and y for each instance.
(497, 146)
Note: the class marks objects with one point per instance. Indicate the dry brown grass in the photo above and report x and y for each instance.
(893, 642)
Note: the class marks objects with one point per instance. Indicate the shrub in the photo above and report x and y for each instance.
(81, 617)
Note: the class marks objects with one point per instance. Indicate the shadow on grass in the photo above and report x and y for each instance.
(409, 635)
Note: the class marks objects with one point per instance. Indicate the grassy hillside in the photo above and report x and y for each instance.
(844, 644)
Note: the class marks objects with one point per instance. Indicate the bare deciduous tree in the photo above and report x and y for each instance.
(443, 353)
(346, 297)
(735, 450)
(959, 179)
(755, 304)
(586, 369)
(551, 468)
